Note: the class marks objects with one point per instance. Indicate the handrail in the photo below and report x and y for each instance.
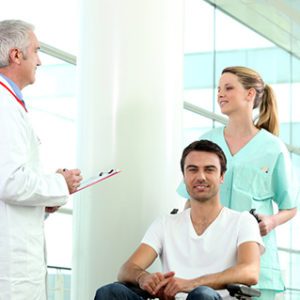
(289, 250)
(59, 268)
(58, 53)
(213, 116)
(66, 211)
(292, 289)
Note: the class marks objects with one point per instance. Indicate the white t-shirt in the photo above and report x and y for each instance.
(189, 255)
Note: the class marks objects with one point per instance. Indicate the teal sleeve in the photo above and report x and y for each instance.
(284, 189)
(181, 190)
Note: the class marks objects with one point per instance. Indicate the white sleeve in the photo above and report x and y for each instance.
(21, 183)
(249, 231)
(154, 236)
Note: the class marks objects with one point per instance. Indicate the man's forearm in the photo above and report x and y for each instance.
(243, 274)
(131, 273)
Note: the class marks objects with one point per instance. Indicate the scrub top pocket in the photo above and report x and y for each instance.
(254, 181)
(263, 205)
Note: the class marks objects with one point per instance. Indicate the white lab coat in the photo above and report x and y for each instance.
(24, 193)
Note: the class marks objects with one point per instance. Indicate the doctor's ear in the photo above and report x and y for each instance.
(15, 55)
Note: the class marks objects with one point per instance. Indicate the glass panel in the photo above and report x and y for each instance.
(295, 91)
(59, 284)
(199, 38)
(231, 34)
(283, 95)
(58, 230)
(55, 21)
(194, 126)
(198, 35)
(278, 22)
(200, 97)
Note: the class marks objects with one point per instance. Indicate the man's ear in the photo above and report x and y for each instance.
(15, 56)
(222, 178)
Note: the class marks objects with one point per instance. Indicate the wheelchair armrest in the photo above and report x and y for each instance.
(136, 289)
(236, 290)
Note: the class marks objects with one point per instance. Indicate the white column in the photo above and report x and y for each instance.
(130, 95)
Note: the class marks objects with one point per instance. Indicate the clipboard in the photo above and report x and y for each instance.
(96, 179)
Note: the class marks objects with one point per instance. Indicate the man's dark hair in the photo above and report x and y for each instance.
(205, 146)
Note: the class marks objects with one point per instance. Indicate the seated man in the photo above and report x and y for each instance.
(202, 249)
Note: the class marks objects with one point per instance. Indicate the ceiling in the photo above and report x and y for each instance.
(277, 20)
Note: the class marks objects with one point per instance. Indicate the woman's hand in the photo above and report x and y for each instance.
(266, 224)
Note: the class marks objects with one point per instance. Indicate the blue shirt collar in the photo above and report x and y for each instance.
(14, 87)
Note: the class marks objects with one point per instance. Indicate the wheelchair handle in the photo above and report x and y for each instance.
(254, 214)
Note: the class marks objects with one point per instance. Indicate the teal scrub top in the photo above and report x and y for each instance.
(257, 175)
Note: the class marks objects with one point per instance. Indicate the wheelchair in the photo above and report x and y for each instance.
(238, 291)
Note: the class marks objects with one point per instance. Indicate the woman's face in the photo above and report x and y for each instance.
(232, 96)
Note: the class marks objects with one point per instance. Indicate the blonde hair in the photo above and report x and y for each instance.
(265, 98)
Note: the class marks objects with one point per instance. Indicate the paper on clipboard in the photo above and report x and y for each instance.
(95, 179)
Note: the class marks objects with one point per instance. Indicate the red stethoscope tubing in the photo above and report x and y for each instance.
(18, 100)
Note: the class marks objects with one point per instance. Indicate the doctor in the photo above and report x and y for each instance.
(25, 192)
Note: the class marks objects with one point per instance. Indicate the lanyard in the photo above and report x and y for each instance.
(18, 100)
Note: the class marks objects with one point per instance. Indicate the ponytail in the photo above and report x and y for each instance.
(268, 114)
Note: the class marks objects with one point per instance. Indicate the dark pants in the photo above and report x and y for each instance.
(118, 291)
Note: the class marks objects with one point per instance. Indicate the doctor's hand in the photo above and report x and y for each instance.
(51, 210)
(266, 224)
(72, 177)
